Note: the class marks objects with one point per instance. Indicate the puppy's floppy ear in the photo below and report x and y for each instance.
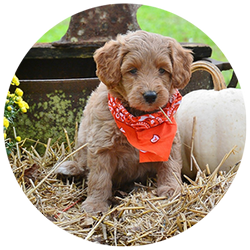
(108, 63)
(181, 63)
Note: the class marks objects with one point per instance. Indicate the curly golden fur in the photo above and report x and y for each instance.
(128, 67)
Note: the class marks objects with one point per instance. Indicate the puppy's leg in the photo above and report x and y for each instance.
(102, 167)
(167, 183)
(77, 167)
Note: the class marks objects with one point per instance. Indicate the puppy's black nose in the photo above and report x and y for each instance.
(150, 96)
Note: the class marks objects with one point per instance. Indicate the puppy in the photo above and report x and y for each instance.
(128, 136)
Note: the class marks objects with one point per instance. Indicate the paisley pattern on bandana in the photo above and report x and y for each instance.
(152, 134)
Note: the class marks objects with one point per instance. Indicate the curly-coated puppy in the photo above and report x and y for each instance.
(127, 134)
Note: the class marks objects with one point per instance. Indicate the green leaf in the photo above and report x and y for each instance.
(7, 152)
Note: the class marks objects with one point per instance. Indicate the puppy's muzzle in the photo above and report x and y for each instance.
(150, 96)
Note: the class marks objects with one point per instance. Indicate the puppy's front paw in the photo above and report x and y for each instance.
(168, 191)
(69, 168)
(92, 206)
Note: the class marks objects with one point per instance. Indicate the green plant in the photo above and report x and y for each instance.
(56, 32)
(13, 106)
(168, 24)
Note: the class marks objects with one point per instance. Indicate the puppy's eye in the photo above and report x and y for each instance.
(162, 71)
(133, 71)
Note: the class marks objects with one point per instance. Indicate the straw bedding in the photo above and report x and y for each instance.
(138, 217)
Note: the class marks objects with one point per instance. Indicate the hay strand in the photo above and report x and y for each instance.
(139, 217)
(55, 168)
(68, 142)
(99, 222)
(192, 143)
(165, 114)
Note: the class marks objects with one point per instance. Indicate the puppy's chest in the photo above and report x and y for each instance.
(105, 135)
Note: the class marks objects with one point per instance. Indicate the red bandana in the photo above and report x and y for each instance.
(152, 134)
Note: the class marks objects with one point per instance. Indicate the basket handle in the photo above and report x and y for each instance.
(218, 79)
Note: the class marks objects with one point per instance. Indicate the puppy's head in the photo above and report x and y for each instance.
(143, 69)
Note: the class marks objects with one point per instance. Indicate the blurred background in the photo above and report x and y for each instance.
(153, 20)
(156, 18)
(58, 78)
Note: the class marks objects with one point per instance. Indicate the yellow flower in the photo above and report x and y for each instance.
(6, 122)
(4, 135)
(15, 81)
(23, 109)
(26, 105)
(18, 99)
(19, 92)
(23, 104)
(9, 108)
(8, 95)
(18, 138)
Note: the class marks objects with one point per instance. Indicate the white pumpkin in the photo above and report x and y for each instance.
(220, 124)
